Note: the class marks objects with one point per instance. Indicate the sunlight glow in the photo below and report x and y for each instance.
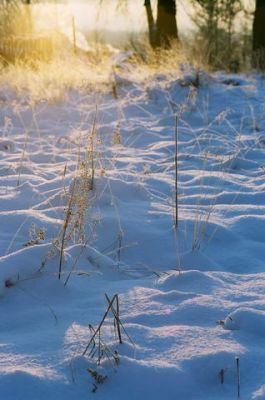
(107, 15)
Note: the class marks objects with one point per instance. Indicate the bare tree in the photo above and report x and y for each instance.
(215, 19)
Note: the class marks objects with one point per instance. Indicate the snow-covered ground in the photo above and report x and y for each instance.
(192, 298)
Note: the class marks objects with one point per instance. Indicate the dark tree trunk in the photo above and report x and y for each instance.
(259, 35)
(151, 24)
(164, 31)
(166, 22)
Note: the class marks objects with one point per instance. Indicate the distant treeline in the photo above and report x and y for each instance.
(218, 40)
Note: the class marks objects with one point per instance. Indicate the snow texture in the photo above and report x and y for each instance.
(192, 299)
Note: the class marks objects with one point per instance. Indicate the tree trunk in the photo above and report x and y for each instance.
(151, 24)
(259, 35)
(164, 31)
(166, 22)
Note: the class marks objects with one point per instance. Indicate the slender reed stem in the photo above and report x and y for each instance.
(238, 376)
(92, 138)
(176, 173)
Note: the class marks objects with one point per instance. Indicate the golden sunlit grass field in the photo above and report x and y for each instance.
(41, 61)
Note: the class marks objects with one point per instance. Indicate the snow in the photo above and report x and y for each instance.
(191, 298)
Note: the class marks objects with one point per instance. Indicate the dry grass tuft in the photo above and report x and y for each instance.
(49, 81)
(149, 62)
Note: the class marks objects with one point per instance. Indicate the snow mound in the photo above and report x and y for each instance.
(195, 281)
(42, 258)
(246, 320)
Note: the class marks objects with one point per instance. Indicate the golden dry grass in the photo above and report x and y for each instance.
(40, 80)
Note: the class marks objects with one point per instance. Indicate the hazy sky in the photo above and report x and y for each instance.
(89, 15)
(130, 17)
